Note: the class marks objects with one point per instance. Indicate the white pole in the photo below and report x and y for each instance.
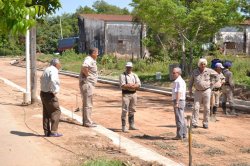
(61, 28)
(27, 96)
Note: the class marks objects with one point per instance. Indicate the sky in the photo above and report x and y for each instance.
(69, 6)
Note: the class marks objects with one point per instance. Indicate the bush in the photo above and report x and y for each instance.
(103, 162)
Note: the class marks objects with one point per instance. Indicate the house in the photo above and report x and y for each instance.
(110, 34)
(235, 39)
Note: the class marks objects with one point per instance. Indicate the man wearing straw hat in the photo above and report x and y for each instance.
(201, 79)
(129, 83)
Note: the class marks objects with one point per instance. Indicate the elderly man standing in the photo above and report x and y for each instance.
(216, 91)
(87, 81)
(129, 83)
(50, 86)
(179, 98)
(227, 89)
(201, 79)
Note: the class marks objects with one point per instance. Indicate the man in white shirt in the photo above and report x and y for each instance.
(129, 83)
(179, 97)
(50, 86)
(87, 81)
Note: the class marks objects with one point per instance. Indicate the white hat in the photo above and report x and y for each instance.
(129, 64)
(219, 65)
(202, 60)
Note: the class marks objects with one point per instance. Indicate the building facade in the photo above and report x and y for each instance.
(111, 34)
(235, 40)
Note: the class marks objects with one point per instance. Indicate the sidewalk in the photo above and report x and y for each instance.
(19, 146)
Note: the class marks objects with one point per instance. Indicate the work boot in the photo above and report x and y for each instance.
(131, 123)
(224, 108)
(214, 109)
(124, 128)
(232, 111)
(213, 114)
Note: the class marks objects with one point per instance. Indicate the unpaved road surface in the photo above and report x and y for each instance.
(226, 142)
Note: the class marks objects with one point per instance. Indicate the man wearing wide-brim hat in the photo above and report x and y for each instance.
(129, 83)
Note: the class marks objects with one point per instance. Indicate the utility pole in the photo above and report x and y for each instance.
(26, 96)
(33, 75)
(61, 28)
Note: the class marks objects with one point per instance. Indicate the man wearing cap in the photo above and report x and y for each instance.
(227, 89)
(216, 91)
(201, 79)
(50, 86)
(129, 82)
(87, 81)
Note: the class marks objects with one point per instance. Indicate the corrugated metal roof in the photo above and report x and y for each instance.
(246, 22)
(107, 17)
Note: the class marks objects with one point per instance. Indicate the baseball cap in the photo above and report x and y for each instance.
(219, 65)
(227, 64)
(129, 64)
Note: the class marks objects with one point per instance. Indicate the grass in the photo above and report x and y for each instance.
(214, 152)
(165, 146)
(219, 138)
(245, 150)
(195, 144)
(112, 67)
(103, 162)
(240, 164)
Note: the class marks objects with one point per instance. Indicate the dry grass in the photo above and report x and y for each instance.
(219, 138)
(165, 146)
(245, 150)
(197, 145)
(214, 152)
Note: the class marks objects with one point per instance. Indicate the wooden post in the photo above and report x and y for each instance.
(33, 74)
(189, 139)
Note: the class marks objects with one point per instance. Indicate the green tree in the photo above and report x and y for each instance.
(189, 22)
(13, 14)
(103, 7)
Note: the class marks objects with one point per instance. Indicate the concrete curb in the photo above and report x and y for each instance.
(130, 146)
(239, 104)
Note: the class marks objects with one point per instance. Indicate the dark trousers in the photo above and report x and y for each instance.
(51, 113)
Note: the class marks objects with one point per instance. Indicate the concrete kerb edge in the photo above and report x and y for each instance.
(239, 104)
(131, 147)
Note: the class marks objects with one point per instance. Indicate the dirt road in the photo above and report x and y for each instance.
(226, 142)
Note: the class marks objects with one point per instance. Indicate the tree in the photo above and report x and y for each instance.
(189, 22)
(14, 20)
(13, 14)
(103, 7)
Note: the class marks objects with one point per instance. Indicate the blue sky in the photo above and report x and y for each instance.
(69, 6)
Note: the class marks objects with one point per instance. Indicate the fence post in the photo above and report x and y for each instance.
(189, 139)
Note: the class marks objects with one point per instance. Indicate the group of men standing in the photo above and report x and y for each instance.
(207, 83)
(50, 85)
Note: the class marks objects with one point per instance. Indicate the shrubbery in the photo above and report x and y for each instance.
(146, 68)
